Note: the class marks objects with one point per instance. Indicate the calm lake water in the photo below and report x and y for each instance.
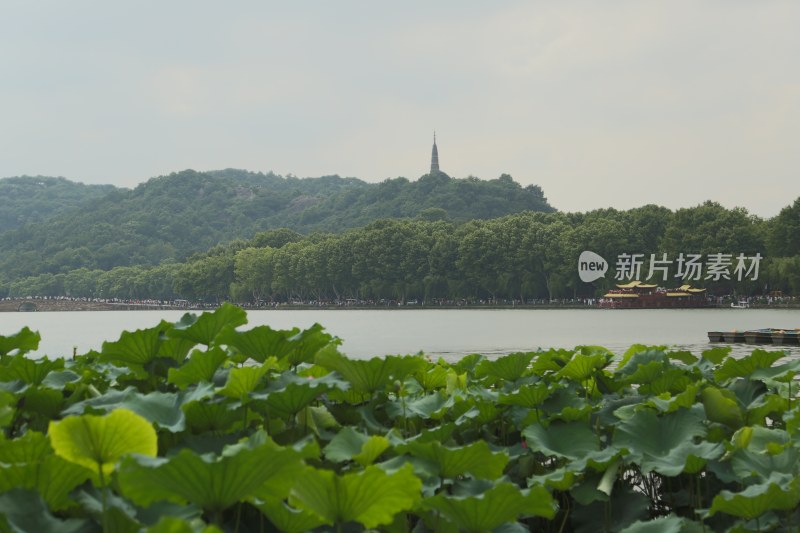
(447, 333)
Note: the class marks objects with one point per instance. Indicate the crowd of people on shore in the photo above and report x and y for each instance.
(721, 301)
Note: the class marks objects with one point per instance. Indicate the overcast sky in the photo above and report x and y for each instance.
(616, 103)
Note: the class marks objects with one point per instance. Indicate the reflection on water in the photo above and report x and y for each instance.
(447, 333)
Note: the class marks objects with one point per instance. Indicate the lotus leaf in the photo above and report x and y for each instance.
(572, 440)
(51, 476)
(98, 442)
(501, 504)
(530, 396)
(665, 443)
(371, 497)
(721, 405)
(745, 366)
(242, 381)
(288, 519)
(200, 367)
(135, 348)
(162, 408)
(250, 469)
(289, 394)
(476, 459)
(24, 510)
(350, 445)
(30, 371)
(581, 367)
(205, 328)
(373, 374)
(665, 524)
(509, 367)
(780, 493)
(21, 342)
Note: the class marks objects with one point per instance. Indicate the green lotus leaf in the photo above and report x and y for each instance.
(684, 356)
(24, 510)
(138, 347)
(572, 440)
(242, 381)
(29, 463)
(665, 524)
(162, 408)
(672, 380)
(780, 493)
(431, 406)
(288, 519)
(7, 408)
(200, 367)
(205, 328)
(766, 406)
(467, 363)
(30, 371)
(59, 380)
(781, 373)
(173, 524)
(289, 394)
(175, 348)
(22, 342)
(501, 504)
(259, 343)
(561, 479)
(667, 403)
(98, 442)
(206, 416)
(108, 509)
(717, 354)
(432, 378)
(581, 367)
(721, 405)
(42, 402)
(255, 468)
(638, 364)
(531, 396)
(746, 463)
(476, 459)
(371, 497)
(306, 344)
(373, 374)
(745, 366)
(509, 367)
(350, 445)
(665, 443)
(607, 513)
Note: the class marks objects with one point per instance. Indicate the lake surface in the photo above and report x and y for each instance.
(447, 333)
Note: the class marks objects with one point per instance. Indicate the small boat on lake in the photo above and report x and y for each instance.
(775, 336)
(741, 304)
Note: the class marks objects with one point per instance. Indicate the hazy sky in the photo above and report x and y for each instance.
(616, 103)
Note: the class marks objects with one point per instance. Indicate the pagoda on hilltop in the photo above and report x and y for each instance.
(434, 156)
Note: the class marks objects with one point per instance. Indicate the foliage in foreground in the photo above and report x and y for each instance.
(198, 426)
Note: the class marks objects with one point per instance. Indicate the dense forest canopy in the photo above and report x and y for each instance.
(171, 217)
(28, 199)
(523, 256)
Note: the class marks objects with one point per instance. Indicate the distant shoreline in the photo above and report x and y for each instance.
(62, 305)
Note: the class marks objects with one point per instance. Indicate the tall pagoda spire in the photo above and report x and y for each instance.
(434, 156)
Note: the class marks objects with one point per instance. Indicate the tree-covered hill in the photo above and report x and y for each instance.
(27, 199)
(170, 217)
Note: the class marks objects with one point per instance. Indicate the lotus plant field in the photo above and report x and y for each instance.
(202, 425)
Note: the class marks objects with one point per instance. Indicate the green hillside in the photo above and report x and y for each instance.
(28, 199)
(170, 217)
